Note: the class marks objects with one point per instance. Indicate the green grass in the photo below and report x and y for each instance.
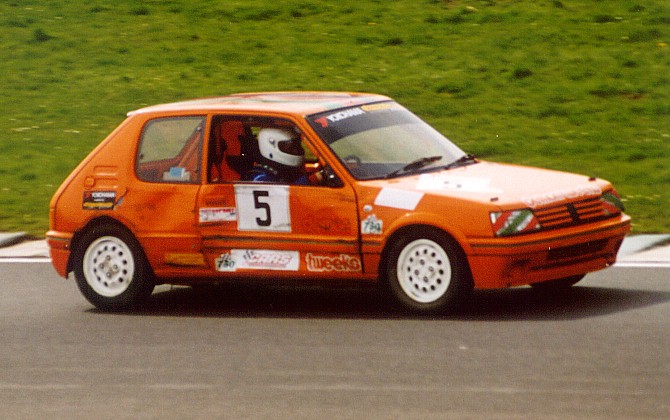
(579, 86)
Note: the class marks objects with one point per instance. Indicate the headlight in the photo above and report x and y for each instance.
(513, 222)
(612, 203)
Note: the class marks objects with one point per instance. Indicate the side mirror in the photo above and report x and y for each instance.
(330, 179)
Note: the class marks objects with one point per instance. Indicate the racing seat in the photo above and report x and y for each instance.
(249, 153)
(225, 144)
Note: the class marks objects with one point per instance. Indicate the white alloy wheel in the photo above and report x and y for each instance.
(108, 266)
(424, 270)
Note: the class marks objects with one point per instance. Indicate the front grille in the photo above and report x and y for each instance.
(583, 211)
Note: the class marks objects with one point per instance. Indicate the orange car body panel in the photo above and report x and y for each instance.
(199, 230)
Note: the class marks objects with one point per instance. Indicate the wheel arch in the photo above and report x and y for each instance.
(92, 224)
(123, 263)
(415, 230)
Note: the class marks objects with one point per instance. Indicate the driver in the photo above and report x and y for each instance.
(282, 158)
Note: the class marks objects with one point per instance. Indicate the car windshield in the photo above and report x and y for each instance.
(384, 140)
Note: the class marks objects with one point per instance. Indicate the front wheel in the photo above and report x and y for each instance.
(427, 272)
(111, 270)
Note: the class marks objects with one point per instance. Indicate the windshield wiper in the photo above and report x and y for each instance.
(461, 161)
(414, 165)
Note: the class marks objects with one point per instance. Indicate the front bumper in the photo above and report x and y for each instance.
(545, 256)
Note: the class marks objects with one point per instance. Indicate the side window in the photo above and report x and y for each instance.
(170, 150)
(260, 149)
(310, 156)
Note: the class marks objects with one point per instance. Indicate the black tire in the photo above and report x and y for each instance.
(559, 284)
(111, 270)
(427, 272)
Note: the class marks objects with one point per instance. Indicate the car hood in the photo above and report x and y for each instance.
(502, 185)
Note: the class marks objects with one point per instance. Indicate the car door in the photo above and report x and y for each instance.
(278, 229)
(162, 200)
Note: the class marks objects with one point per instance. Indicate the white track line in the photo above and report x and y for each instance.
(642, 264)
(25, 260)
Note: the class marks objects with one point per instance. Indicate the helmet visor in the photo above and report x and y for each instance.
(292, 147)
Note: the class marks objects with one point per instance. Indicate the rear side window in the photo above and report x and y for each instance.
(170, 150)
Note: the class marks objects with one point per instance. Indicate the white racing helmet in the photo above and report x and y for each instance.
(281, 146)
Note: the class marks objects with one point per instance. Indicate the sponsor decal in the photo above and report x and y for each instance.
(218, 214)
(380, 107)
(441, 182)
(560, 195)
(371, 225)
(339, 116)
(99, 200)
(398, 199)
(338, 263)
(261, 259)
(326, 220)
(225, 263)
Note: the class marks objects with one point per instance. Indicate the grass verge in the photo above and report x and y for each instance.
(579, 86)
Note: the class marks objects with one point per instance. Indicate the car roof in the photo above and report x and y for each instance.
(300, 103)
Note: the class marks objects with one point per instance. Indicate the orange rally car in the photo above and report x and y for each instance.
(321, 187)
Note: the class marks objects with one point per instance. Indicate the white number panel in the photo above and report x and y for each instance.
(263, 208)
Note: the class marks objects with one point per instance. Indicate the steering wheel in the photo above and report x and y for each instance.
(352, 161)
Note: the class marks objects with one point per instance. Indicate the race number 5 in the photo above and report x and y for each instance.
(263, 208)
(267, 220)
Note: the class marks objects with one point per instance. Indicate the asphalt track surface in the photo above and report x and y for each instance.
(600, 350)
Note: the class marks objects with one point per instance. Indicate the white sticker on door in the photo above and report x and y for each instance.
(217, 214)
(263, 207)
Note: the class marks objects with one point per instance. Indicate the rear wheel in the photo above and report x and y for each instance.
(111, 270)
(427, 272)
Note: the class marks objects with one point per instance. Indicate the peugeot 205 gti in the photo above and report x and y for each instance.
(318, 186)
